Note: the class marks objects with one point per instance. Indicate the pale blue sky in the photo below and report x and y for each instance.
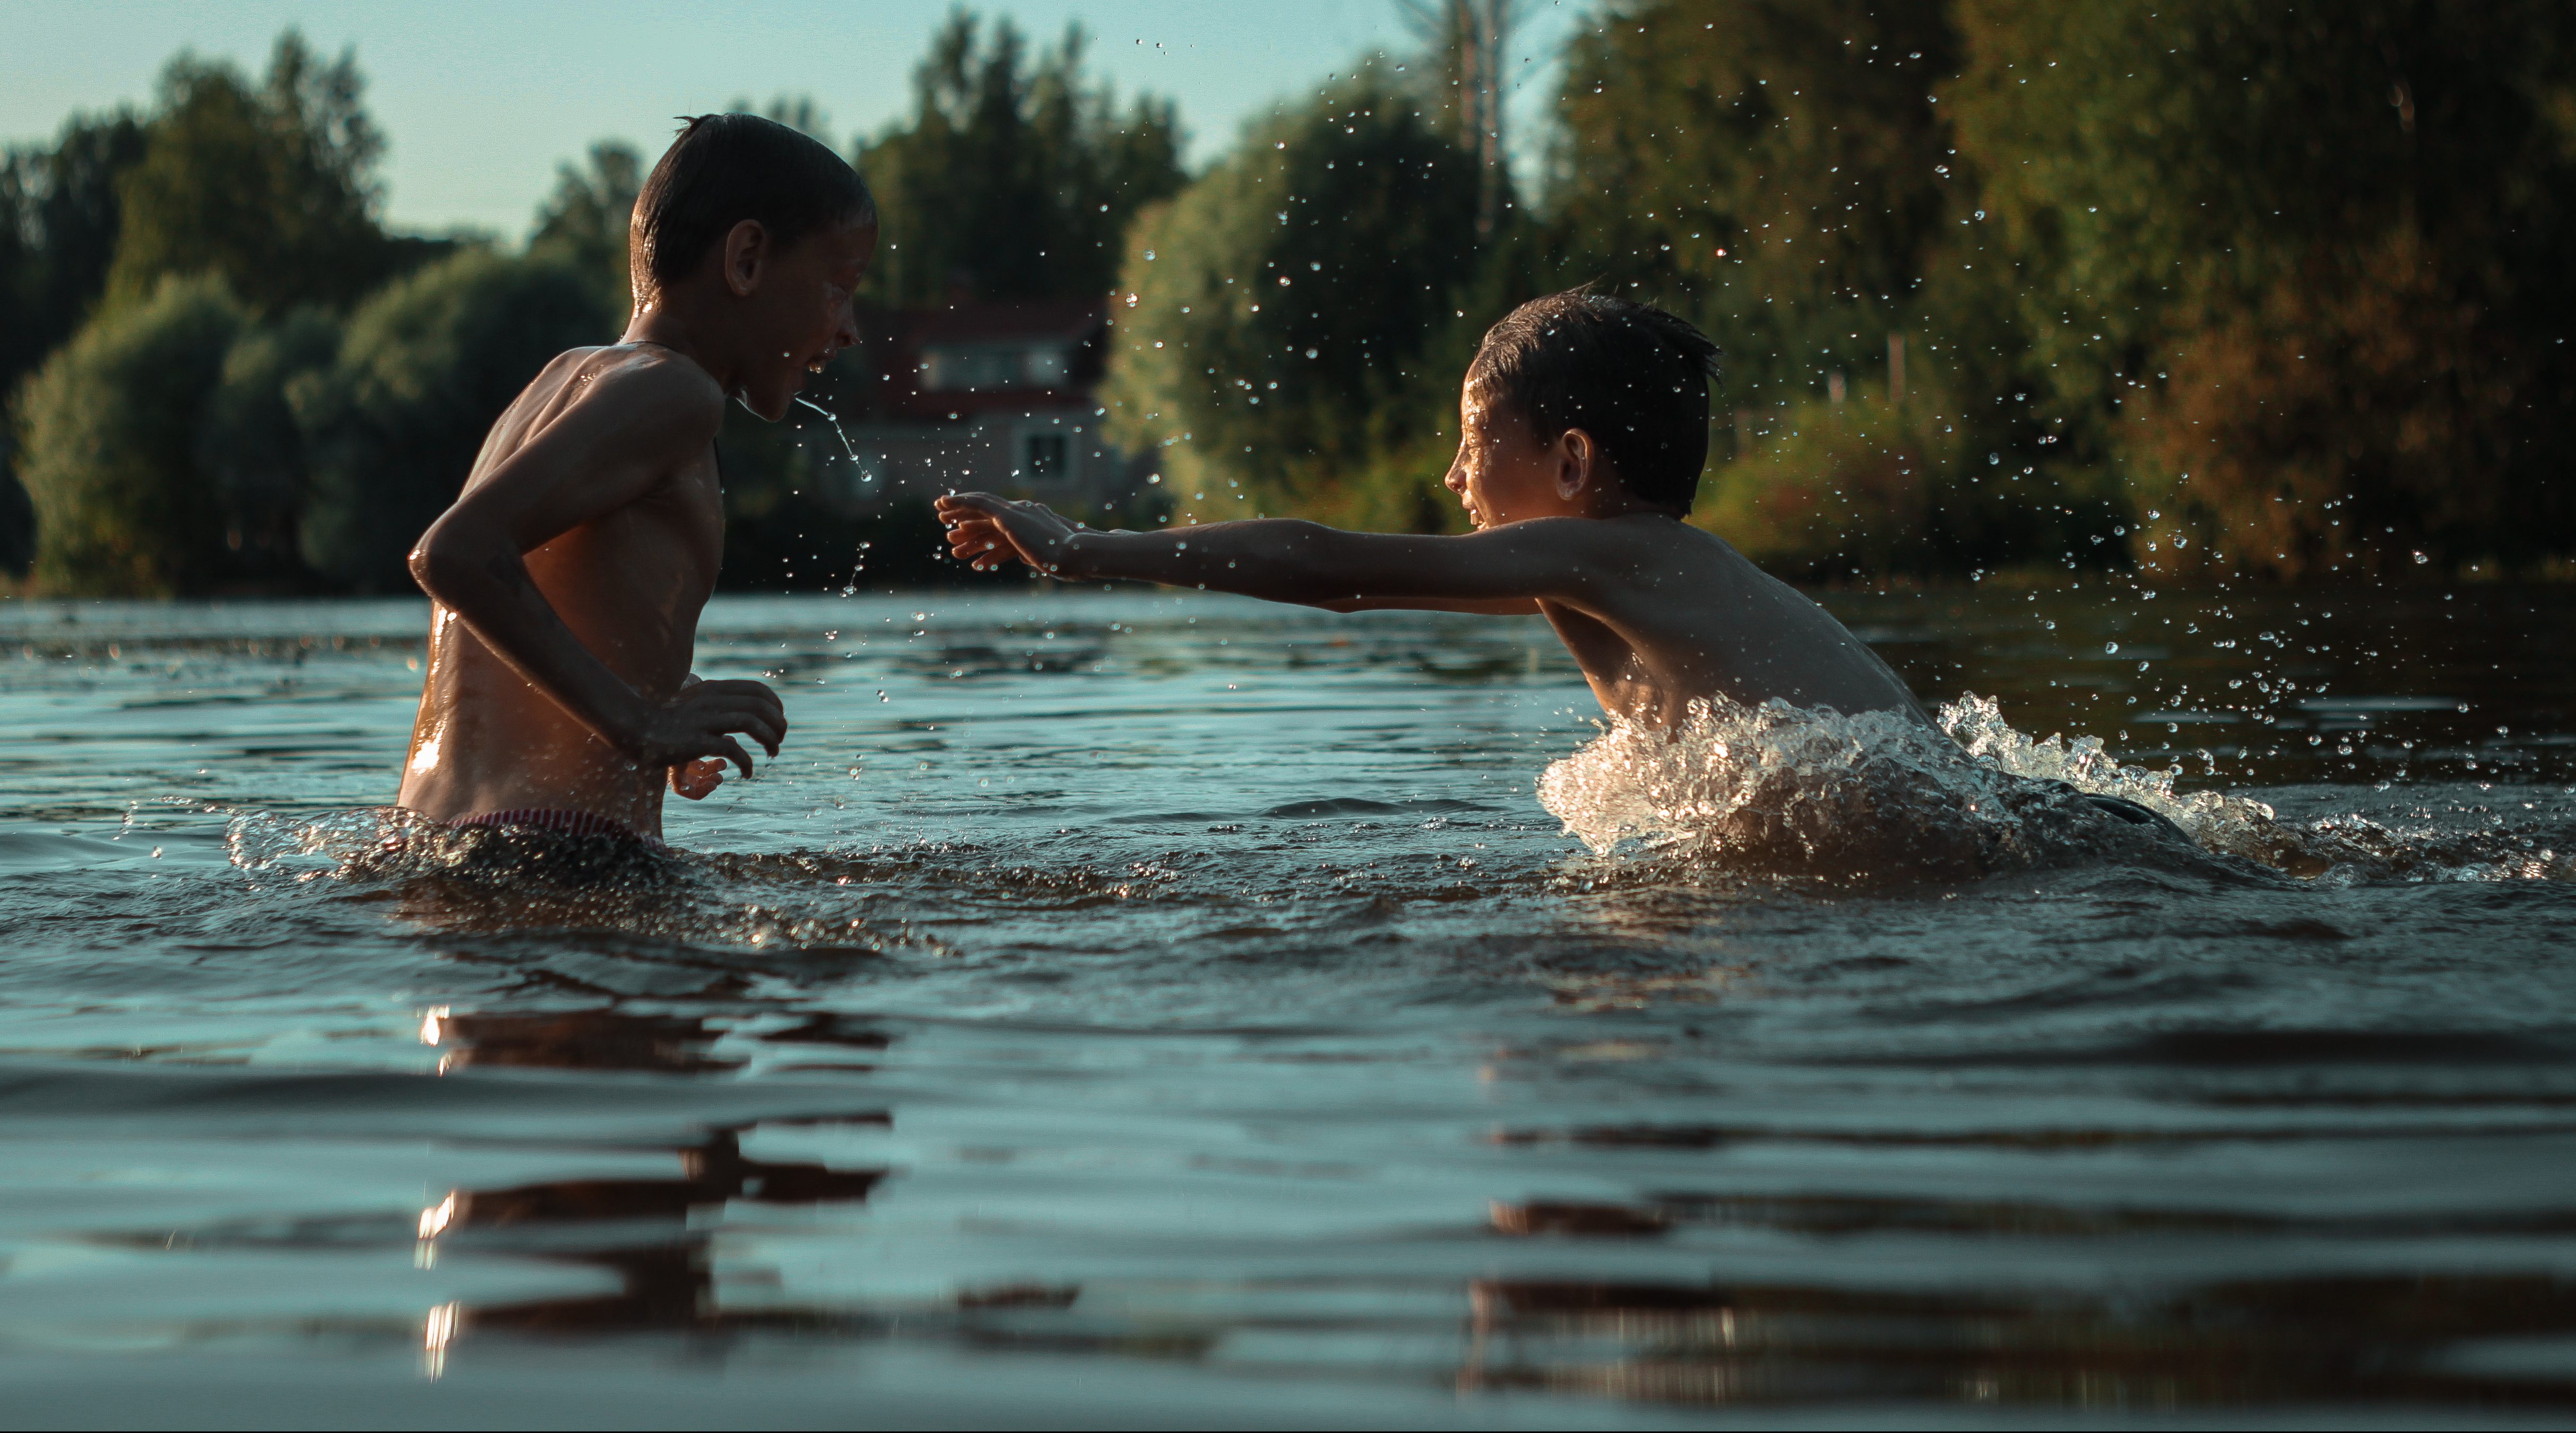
(482, 99)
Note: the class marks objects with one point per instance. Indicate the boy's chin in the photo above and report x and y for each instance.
(770, 404)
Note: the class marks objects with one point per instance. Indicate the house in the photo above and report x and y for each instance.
(991, 396)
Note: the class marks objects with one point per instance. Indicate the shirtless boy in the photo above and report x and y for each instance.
(568, 578)
(1583, 428)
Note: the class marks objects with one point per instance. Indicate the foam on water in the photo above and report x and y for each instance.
(1877, 797)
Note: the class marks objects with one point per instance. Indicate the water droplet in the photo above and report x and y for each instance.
(2111, 649)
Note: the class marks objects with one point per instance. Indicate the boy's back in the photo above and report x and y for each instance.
(1660, 614)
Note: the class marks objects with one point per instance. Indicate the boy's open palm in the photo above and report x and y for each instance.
(985, 531)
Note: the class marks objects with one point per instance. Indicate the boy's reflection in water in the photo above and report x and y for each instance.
(662, 1263)
(2359, 1338)
(2362, 1337)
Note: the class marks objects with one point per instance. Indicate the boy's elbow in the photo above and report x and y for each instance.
(438, 561)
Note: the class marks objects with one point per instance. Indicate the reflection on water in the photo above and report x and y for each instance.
(1182, 1010)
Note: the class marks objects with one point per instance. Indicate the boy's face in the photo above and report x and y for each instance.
(1504, 474)
(797, 308)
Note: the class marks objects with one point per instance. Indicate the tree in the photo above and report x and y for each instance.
(1012, 180)
(2300, 270)
(1275, 325)
(584, 222)
(58, 225)
(392, 428)
(1776, 169)
(250, 448)
(271, 187)
(1470, 43)
(109, 445)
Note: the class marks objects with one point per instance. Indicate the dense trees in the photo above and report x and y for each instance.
(583, 223)
(2212, 287)
(393, 424)
(223, 418)
(270, 186)
(1015, 176)
(1272, 325)
(111, 454)
(2302, 269)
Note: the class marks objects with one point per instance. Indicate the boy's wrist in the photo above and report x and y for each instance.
(1074, 555)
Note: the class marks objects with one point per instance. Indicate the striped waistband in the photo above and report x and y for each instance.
(560, 822)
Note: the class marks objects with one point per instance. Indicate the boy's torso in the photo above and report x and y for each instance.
(630, 585)
(1680, 616)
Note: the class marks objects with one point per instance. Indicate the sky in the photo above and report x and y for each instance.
(482, 99)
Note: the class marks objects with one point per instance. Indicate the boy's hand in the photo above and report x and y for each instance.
(985, 531)
(696, 722)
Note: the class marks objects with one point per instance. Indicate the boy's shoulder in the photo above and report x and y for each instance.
(640, 386)
(661, 379)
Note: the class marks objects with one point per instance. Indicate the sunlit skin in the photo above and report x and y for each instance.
(1656, 612)
(568, 578)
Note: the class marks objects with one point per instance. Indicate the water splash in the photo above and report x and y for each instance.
(1877, 797)
(846, 447)
(851, 587)
(1783, 790)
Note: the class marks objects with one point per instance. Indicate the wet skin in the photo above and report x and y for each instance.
(1658, 613)
(568, 578)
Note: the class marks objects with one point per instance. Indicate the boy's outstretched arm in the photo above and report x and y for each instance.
(605, 451)
(1505, 570)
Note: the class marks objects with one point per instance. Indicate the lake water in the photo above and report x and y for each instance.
(1121, 1008)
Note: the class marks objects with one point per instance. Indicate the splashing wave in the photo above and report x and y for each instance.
(1778, 789)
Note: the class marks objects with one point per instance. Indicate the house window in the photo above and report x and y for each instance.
(1042, 457)
(990, 367)
(1048, 367)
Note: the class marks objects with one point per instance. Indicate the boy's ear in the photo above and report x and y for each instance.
(1576, 461)
(746, 253)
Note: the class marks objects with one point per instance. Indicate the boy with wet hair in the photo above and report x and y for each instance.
(1583, 426)
(567, 579)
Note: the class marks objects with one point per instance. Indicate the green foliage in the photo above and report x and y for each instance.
(1276, 327)
(1836, 488)
(2298, 274)
(109, 440)
(428, 364)
(270, 187)
(250, 447)
(59, 219)
(1774, 169)
(1013, 179)
(584, 222)
(58, 225)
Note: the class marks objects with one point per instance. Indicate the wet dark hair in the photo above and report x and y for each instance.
(1631, 375)
(725, 168)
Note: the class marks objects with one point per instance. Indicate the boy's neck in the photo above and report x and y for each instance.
(668, 322)
(1618, 502)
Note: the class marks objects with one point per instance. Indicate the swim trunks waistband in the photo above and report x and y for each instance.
(560, 822)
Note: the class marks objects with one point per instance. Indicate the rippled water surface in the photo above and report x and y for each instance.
(1116, 1008)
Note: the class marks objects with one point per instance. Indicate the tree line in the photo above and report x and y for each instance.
(2205, 287)
(223, 374)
